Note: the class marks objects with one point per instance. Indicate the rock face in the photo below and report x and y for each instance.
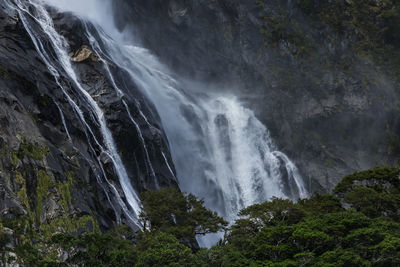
(53, 174)
(331, 111)
(83, 54)
(331, 108)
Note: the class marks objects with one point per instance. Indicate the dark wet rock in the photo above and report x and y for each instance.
(84, 53)
(50, 210)
(10, 207)
(51, 171)
(327, 119)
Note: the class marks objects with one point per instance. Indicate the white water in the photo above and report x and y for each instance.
(63, 122)
(60, 47)
(221, 151)
(149, 165)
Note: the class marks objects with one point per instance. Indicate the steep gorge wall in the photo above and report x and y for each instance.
(53, 174)
(331, 118)
(314, 72)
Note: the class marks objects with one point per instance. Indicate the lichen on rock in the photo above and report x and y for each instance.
(84, 53)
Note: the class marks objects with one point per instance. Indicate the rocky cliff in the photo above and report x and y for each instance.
(322, 75)
(55, 174)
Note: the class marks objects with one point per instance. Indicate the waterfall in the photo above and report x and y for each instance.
(220, 150)
(63, 122)
(42, 19)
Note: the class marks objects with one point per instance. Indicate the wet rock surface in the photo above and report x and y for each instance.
(84, 53)
(50, 170)
(330, 116)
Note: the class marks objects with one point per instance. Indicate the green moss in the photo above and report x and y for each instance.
(19, 179)
(33, 150)
(374, 25)
(3, 72)
(70, 225)
(36, 240)
(22, 192)
(4, 151)
(3, 237)
(284, 27)
(35, 247)
(64, 189)
(45, 100)
(23, 195)
(70, 176)
(44, 182)
(14, 158)
(22, 227)
(34, 117)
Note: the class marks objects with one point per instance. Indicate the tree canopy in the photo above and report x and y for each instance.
(184, 216)
(358, 225)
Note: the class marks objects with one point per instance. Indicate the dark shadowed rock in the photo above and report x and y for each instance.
(52, 169)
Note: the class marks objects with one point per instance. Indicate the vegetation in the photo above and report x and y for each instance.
(349, 39)
(183, 216)
(34, 151)
(358, 225)
(375, 192)
(282, 27)
(373, 25)
(3, 237)
(3, 72)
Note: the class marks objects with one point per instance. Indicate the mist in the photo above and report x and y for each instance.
(249, 113)
(273, 113)
(221, 151)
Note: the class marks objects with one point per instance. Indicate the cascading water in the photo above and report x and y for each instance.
(221, 151)
(59, 46)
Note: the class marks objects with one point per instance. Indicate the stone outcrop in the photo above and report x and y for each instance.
(51, 172)
(82, 54)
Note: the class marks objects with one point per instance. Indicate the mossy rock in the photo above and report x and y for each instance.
(381, 175)
(32, 150)
(375, 193)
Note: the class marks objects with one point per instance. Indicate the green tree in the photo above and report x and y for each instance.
(374, 192)
(94, 249)
(320, 204)
(317, 231)
(164, 249)
(184, 216)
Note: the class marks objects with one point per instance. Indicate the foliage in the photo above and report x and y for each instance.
(378, 176)
(346, 238)
(183, 216)
(321, 204)
(320, 232)
(374, 192)
(3, 238)
(317, 231)
(33, 150)
(283, 27)
(44, 182)
(313, 36)
(164, 249)
(374, 25)
(97, 249)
